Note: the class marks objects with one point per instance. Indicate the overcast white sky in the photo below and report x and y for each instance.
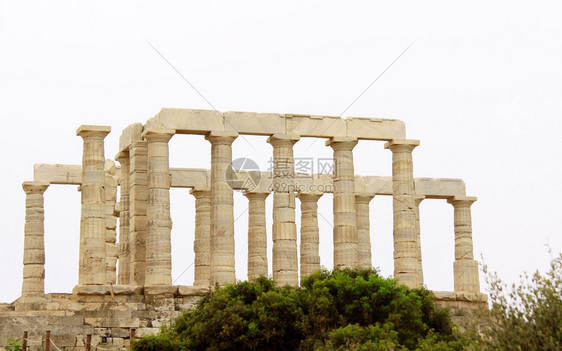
(481, 88)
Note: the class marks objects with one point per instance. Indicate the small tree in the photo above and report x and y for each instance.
(527, 316)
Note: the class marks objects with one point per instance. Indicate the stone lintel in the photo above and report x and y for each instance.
(85, 129)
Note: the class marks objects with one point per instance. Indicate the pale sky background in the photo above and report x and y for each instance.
(481, 88)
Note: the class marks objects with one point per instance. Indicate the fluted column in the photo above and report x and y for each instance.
(405, 233)
(363, 230)
(285, 261)
(310, 237)
(465, 267)
(34, 242)
(158, 220)
(138, 199)
(417, 201)
(124, 270)
(257, 235)
(345, 222)
(222, 209)
(92, 267)
(202, 241)
(110, 199)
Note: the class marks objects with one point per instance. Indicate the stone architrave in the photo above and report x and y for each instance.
(34, 243)
(124, 244)
(345, 221)
(138, 199)
(465, 267)
(310, 236)
(202, 241)
(257, 235)
(92, 270)
(364, 255)
(406, 260)
(110, 200)
(285, 261)
(159, 223)
(222, 208)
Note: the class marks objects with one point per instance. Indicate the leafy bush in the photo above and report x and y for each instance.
(338, 310)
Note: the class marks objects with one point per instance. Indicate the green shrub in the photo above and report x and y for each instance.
(338, 310)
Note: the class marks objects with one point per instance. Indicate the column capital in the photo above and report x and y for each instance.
(34, 187)
(364, 197)
(123, 157)
(462, 200)
(283, 139)
(309, 196)
(162, 135)
(89, 131)
(199, 192)
(221, 137)
(341, 143)
(401, 145)
(256, 195)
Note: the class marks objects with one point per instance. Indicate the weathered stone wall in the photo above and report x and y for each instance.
(108, 318)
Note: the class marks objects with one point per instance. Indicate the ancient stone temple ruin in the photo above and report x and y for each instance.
(125, 282)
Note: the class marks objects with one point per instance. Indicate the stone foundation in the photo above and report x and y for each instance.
(107, 313)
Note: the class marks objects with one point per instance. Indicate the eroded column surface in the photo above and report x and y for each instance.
(257, 235)
(465, 267)
(110, 199)
(405, 233)
(417, 201)
(138, 199)
(310, 237)
(285, 261)
(222, 209)
(92, 267)
(202, 241)
(34, 243)
(364, 256)
(158, 220)
(124, 245)
(345, 222)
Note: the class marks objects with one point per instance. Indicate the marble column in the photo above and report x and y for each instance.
(465, 267)
(364, 256)
(124, 271)
(310, 236)
(257, 235)
(405, 233)
(110, 201)
(92, 267)
(34, 244)
(159, 223)
(138, 199)
(345, 221)
(222, 209)
(417, 201)
(285, 261)
(202, 241)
